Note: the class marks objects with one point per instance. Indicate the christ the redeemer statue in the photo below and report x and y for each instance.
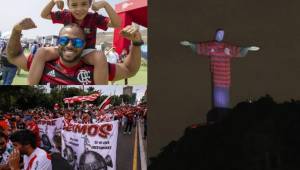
(220, 55)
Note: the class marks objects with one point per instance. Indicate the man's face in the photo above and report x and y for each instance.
(86, 117)
(68, 52)
(22, 148)
(79, 8)
(3, 143)
(18, 118)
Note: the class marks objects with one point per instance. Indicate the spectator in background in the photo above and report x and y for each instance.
(20, 122)
(129, 123)
(112, 56)
(145, 123)
(33, 127)
(123, 55)
(9, 70)
(4, 124)
(121, 60)
(86, 118)
(4, 151)
(34, 48)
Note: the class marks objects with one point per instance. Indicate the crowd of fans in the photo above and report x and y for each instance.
(19, 132)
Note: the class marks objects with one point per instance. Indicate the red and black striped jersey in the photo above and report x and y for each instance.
(220, 56)
(90, 23)
(57, 73)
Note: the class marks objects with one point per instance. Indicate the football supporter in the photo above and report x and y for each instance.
(78, 13)
(34, 158)
(4, 151)
(69, 67)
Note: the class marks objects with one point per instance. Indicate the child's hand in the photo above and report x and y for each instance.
(25, 24)
(59, 4)
(98, 5)
(131, 33)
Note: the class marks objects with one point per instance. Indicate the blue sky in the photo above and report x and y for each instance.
(12, 11)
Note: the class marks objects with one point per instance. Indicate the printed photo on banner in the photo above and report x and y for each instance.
(48, 129)
(90, 146)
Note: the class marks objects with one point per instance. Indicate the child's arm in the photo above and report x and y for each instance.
(115, 20)
(48, 8)
(43, 55)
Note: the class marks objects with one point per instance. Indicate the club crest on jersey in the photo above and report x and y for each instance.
(87, 30)
(84, 77)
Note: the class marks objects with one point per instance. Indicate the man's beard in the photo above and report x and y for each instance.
(69, 61)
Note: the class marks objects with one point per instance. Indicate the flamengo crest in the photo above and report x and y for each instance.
(84, 77)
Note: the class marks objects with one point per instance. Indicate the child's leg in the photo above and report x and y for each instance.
(43, 55)
(98, 59)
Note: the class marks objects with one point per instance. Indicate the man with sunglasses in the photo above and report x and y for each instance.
(69, 68)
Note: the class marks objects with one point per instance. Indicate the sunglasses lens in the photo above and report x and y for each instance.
(63, 41)
(77, 43)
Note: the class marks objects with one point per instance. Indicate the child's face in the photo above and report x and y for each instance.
(79, 8)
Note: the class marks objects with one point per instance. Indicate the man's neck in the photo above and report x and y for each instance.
(67, 64)
(78, 21)
(30, 151)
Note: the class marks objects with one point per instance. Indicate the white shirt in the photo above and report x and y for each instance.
(38, 160)
(112, 57)
(5, 157)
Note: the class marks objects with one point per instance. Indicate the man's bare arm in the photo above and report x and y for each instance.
(132, 61)
(14, 48)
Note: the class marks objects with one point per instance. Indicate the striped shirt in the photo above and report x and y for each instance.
(220, 54)
(57, 73)
(89, 25)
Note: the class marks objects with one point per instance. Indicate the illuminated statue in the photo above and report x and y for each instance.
(220, 54)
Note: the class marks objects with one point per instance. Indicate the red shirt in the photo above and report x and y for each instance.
(90, 23)
(58, 74)
(220, 55)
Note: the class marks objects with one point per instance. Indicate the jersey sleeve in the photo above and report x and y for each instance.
(29, 61)
(58, 17)
(102, 22)
(202, 48)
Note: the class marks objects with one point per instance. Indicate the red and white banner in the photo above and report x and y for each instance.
(91, 97)
(90, 146)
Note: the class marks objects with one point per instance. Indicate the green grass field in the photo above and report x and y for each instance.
(139, 79)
